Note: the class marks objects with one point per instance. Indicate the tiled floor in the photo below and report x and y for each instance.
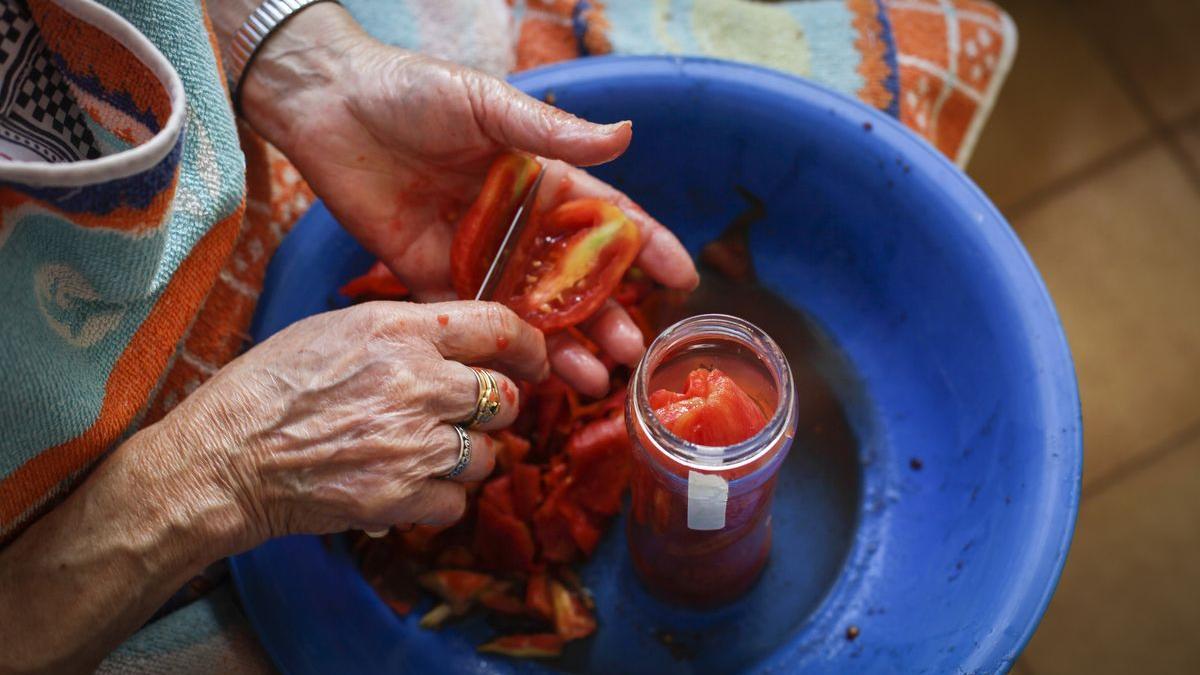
(1093, 152)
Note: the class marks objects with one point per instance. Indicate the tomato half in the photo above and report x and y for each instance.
(713, 410)
(482, 229)
(568, 263)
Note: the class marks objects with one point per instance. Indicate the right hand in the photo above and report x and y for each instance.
(343, 420)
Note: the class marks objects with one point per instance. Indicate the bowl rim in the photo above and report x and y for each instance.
(1062, 409)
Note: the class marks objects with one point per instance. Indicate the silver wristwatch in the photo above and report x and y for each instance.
(249, 38)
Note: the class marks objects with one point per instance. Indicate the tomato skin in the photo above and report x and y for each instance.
(537, 596)
(713, 410)
(538, 645)
(458, 588)
(599, 456)
(378, 283)
(502, 541)
(566, 267)
(482, 228)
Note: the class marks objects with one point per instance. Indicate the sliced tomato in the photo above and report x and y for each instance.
(513, 448)
(498, 492)
(713, 410)
(537, 596)
(502, 541)
(458, 588)
(569, 263)
(526, 489)
(599, 456)
(537, 645)
(499, 597)
(457, 556)
(482, 229)
(377, 284)
(572, 620)
(554, 530)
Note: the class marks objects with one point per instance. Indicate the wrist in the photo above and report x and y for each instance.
(302, 57)
(191, 513)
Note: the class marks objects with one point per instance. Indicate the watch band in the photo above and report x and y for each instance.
(254, 31)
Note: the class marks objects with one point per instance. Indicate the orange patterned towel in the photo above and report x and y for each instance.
(934, 64)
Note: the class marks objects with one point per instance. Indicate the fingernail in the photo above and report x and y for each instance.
(610, 129)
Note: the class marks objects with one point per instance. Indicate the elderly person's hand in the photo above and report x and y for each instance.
(343, 420)
(398, 144)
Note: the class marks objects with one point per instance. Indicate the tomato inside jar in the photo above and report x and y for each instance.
(711, 412)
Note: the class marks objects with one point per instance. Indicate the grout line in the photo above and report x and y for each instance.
(1097, 166)
(1141, 461)
(1161, 128)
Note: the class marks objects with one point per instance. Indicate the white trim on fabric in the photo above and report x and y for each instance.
(1008, 33)
(127, 162)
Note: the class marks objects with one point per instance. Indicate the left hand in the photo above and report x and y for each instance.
(397, 145)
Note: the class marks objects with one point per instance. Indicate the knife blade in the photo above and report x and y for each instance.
(520, 219)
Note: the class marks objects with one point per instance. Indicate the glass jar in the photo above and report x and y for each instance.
(699, 532)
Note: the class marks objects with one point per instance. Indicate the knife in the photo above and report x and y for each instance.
(520, 219)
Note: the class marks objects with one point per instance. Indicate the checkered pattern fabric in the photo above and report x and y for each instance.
(39, 119)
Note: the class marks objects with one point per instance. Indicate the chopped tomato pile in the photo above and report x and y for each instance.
(713, 410)
(562, 470)
(562, 467)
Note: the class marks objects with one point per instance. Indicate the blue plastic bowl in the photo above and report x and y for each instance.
(938, 535)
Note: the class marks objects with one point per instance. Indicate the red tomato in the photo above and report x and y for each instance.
(713, 411)
(457, 587)
(482, 229)
(568, 263)
(502, 541)
(377, 284)
(537, 596)
(599, 454)
(542, 645)
(526, 489)
(499, 597)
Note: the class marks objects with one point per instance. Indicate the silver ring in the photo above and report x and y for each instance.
(464, 453)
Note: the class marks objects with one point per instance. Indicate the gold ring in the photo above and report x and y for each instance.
(488, 403)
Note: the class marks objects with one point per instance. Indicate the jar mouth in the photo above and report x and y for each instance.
(711, 457)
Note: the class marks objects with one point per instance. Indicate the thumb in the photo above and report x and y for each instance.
(518, 121)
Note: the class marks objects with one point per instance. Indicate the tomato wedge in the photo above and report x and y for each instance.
(539, 645)
(568, 263)
(713, 410)
(482, 229)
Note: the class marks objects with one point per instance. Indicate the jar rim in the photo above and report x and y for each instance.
(710, 457)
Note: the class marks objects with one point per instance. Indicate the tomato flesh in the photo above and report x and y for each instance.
(570, 263)
(713, 410)
(482, 229)
(538, 645)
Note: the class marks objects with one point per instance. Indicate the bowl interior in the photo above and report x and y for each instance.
(931, 494)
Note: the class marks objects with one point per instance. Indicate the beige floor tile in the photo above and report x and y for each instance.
(1189, 137)
(1129, 599)
(1059, 110)
(1155, 42)
(1119, 255)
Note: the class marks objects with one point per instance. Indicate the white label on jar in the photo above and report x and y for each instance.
(707, 495)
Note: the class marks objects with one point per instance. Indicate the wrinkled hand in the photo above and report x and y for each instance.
(398, 145)
(343, 420)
